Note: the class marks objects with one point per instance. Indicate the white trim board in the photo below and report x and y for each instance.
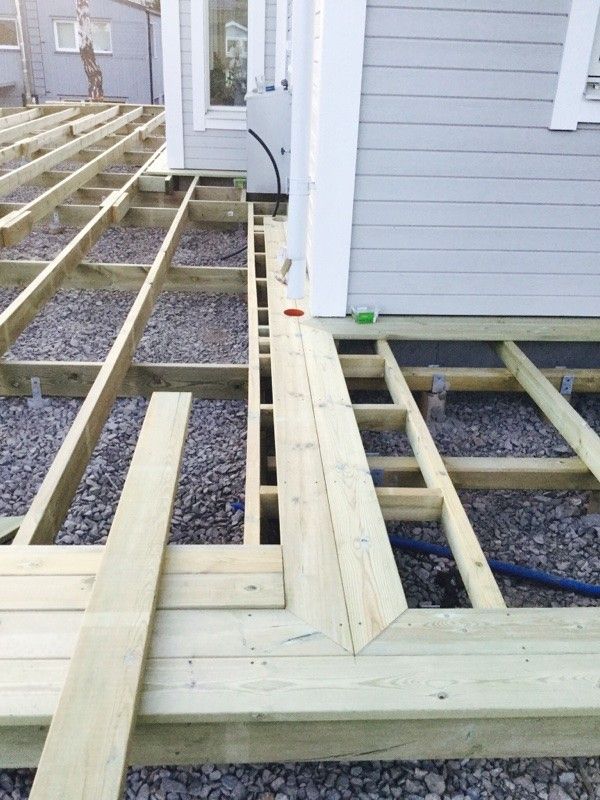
(281, 41)
(205, 117)
(342, 49)
(571, 106)
(171, 48)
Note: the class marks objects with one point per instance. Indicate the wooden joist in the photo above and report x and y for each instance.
(85, 754)
(16, 134)
(18, 314)
(75, 379)
(17, 225)
(11, 120)
(572, 427)
(475, 572)
(51, 503)
(252, 503)
(27, 172)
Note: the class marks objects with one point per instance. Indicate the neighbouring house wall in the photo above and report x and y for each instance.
(314, 128)
(126, 73)
(11, 74)
(465, 202)
(216, 149)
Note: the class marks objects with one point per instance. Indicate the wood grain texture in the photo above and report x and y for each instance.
(85, 754)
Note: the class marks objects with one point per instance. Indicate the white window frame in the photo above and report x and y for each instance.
(571, 104)
(205, 116)
(10, 46)
(74, 24)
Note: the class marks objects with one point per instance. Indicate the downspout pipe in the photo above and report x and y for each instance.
(299, 188)
(24, 64)
(150, 46)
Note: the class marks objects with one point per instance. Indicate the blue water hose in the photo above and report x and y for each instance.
(502, 568)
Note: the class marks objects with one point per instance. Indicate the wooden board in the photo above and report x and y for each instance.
(85, 754)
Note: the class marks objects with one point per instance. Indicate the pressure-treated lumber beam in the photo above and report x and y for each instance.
(51, 503)
(18, 314)
(313, 585)
(15, 134)
(75, 379)
(520, 474)
(397, 504)
(128, 277)
(470, 329)
(11, 120)
(369, 416)
(475, 572)
(488, 473)
(372, 586)
(252, 505)
(27, 172)
(572, 427)
(58, 134)
(17, 225)
(86, 749)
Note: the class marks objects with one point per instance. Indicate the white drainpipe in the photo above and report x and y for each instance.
(302, 54)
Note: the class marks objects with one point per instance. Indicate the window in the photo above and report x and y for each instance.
(578, 92)
(228, 52)
(228, 56)
(65, 36)
(8, 34)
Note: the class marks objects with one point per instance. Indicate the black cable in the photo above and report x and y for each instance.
(231, 255)
(278, 176)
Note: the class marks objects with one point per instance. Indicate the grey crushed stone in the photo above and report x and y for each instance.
(475, 779)
(127, 245)
(43, 244)
(23, 194)
(207, 246)
(81, 325)
(212, 472)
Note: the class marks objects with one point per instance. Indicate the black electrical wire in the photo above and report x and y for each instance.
(231, 255)
(277, 175)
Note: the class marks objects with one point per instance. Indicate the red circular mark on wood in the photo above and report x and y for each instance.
(293, 312)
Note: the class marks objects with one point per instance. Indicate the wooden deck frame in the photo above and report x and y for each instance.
(297, 644)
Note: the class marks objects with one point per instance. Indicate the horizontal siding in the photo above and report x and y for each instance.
(465, 202)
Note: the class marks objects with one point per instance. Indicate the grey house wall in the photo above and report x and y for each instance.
(465, 202)
(216, 150)
(126, 72)
(11, 75)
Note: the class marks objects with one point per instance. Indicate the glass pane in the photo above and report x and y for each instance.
(8, 33)
(228, 51)
(101, 37)
(65, 36)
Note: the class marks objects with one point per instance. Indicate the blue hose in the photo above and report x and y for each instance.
(502, 568)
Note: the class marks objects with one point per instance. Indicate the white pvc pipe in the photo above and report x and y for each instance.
(302, 54)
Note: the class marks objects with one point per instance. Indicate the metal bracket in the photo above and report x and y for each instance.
(566, 385)
(438, 383)
(36, 400)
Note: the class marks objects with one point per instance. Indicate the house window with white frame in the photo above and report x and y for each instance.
(577, 96)
(9, 39)
(228, 58)
(65, 36)
(228, 52)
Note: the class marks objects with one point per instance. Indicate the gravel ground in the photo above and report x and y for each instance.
(43, 244)
(212, 473)
(184, 327)
(518, 779)
(24, 194)
(200, 246)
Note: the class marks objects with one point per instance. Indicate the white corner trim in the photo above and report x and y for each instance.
(570, 103)
(338, 112)
(281, 41)
(171, 48)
